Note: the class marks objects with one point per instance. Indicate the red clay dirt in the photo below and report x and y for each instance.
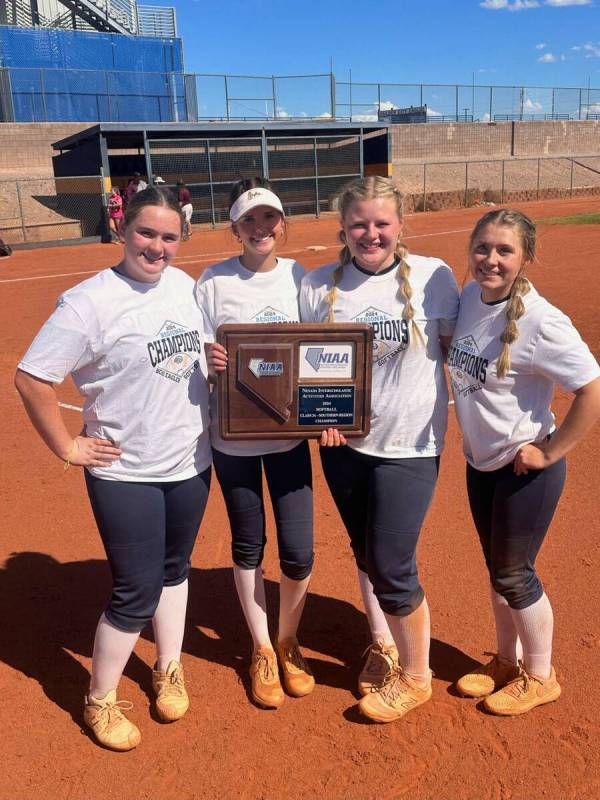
(54, 582)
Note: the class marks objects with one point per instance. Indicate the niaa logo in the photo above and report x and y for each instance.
(317, 357)
(265, 369)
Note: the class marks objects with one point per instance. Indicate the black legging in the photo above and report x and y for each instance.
(148, 531)
(289, 478)
(382, 503)
(512, 514)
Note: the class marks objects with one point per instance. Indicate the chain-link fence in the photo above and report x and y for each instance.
(46, 95)
(306, 171)
(466, 102)
(431, 186)
(51, 209)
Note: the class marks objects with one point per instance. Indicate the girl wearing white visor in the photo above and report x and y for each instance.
(259, 287)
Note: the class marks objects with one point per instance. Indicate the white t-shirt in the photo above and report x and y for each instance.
(499, 415)
(135, 353)
(229, 293)
(409, 397)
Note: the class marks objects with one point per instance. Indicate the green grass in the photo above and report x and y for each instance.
(590, 218)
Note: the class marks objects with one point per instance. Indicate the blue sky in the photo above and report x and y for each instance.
(522, 42)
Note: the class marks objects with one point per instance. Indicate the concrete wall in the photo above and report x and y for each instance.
(481, 140)
(26, 147)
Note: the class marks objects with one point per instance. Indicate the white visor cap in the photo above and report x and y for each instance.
(251, 199)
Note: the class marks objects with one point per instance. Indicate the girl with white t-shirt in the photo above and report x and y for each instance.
(510, 348)
(383, 483)
(131, 339)
(259, 287)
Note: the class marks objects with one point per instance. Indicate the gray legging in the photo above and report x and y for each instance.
(148, 531)
(289, 478)
(382, 503)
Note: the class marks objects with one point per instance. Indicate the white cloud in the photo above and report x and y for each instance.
(547, 58)
(431, 112)
(594, 108)
(532, 105)
(385, 105)
(541, 46)
(515, 5)
(364, 118)
(325, 115)
(281, 112)
(568, 2)
(563, 57)
(592, 50)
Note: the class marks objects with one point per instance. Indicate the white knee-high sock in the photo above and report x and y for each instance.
(509, 644)
(535, 626)
(378, 625)
(292, 597)
(250, 587)
(112, 649)
(169, 623)
(412, 635)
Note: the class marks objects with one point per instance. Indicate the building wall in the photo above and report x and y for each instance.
(480, 140)
(26, 148)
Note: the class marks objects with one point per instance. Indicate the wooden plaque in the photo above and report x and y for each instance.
(286, 381)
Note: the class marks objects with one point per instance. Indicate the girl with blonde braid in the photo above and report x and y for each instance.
(510, 348)
(383, 483)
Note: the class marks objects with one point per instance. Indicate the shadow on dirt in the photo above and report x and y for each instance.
(50, 612)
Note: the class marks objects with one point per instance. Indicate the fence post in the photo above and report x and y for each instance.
(456, 105)
(21, 212)
(43, 93)
(265, 154)
(274, 97)
(424, 187)
(571, 187)
(580, 104)
(491, 101)
(210, 183)
(226, 98)
(316, 176)
(332, 94)
(553, 102)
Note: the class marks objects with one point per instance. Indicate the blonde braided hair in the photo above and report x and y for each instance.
(371, 188)
(515, 308)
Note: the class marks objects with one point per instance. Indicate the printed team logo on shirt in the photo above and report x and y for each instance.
(270, 314)
(468, 369)
(171, 353)
(391, 335)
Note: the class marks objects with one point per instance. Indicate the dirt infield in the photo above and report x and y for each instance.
(54, 582)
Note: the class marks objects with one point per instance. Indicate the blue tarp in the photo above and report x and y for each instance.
(76, 76)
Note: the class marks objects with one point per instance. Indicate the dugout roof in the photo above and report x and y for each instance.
(128, 135)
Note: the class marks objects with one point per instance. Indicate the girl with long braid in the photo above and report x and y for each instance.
(509, 348)
(383, 483)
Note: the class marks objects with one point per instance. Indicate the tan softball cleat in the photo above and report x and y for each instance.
(266, 687)
(172, 699)
(399, 695)
(297, 676)
(522, 694)
(381, 660)
(105, 717)
(488, 678)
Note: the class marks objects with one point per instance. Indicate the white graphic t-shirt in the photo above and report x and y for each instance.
(135, 353)
(409, 398)
(229, 293)
(499, 415)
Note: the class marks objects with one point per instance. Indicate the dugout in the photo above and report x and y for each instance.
(306, 162)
